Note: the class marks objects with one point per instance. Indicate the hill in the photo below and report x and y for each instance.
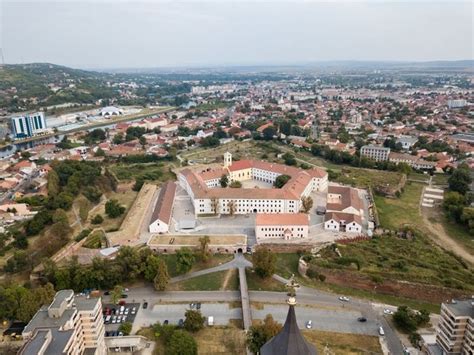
(28, 86)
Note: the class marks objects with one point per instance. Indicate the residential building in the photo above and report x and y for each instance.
(455, 332)
(344, 210)
(375, 152)
(457, 103)
(28, 125)
(407, 141)
(286, 226)
(161, 217)
(412, 160)
(69, 325)
(342, 222)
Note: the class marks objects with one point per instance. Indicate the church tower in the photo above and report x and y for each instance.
(227, 159)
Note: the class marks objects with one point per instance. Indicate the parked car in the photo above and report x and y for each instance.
(145, 305)
(198, 305)
(124, 295)
(134, 310)
(381, 331)
(192, 305)
(387, 311)
(309, 324)
(166, 322)
(122, 302)
(362, 319)
(106, 293)
(181, 323)
(344, 299)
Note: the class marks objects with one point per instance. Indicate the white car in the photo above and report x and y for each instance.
(387, 311)
(381, 331)
(344, 299)
(309, 324)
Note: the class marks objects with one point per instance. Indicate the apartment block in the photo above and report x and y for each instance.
(455, 333)
(375, 152)
(28, 125)
(70, 325)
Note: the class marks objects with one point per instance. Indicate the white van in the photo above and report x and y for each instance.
(381, 332)
(210, 321)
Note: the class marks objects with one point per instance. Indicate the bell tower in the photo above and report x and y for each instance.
(227, 159)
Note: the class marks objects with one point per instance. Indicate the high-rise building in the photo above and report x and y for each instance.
(455, 333)
(69, 325)
(28, 125)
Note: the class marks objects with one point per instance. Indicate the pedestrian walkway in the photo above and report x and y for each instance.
(431, 196)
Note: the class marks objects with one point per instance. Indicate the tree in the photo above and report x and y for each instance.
(269, 132)
(460, 180)
(139, 181)
(99, 152)
(113, 208)
(281, 180)
(116, 294)
(289, 159)
(224, 180)
(118, 138)
(142, 141)
(264, 261)
(184, 260)
(53, 183)
(162, 278)
(204, 248)
(306, 204)
(98, 219)
(182, 343)
(125, 328)
(193, 320)
(404, 319)
(92, 193)
(259, 334)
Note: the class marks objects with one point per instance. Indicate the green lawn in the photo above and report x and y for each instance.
(368, 177)
(396, 212)
(216, 259)
(255, 283)
(391, 258)
(287, 264)
(209, 282)
(458, 233)
(149, 171)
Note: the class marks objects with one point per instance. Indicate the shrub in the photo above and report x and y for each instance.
(98, 219)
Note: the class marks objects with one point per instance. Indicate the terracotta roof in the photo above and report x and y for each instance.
(164, 204)
(341, 216)
(292, 189)
(349, 198)
(281, 219)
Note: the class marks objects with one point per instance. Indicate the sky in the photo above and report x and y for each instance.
(151, 34)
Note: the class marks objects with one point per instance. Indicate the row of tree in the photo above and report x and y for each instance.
(457, 201)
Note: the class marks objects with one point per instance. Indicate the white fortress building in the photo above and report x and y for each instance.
(208, 197)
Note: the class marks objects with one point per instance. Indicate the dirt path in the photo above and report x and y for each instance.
(438, 234)
(227, 277)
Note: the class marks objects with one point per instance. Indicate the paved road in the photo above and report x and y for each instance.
(305, 296)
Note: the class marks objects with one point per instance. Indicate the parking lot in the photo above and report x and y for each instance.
(334, 320)
(115, 314)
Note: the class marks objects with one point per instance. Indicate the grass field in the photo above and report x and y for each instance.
(455, 231)
(226, 280)
(149, 171)
(367, 177)
(394, 213)
(255, 283)
(392, 258)
(343, 344)
(214, 260)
